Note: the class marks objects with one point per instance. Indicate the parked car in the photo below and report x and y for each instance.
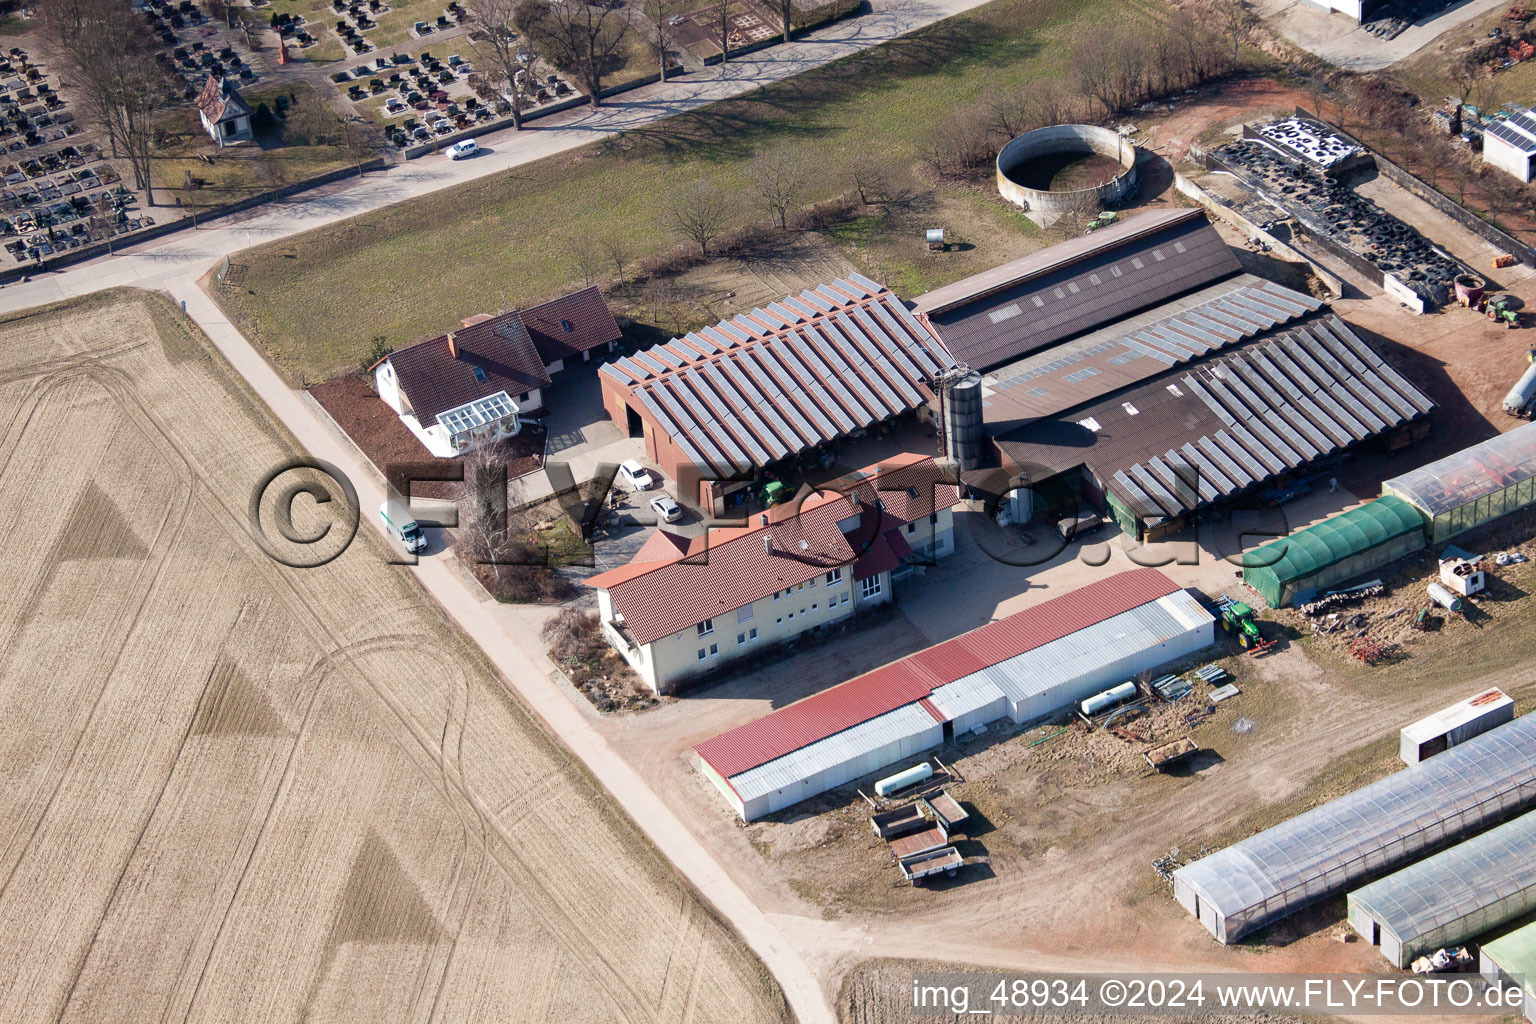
(667, 510)
(636, 476)
(460, 150)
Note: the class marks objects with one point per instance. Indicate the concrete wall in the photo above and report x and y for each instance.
(1280, 249)
(1352, 8)
(1065, 138)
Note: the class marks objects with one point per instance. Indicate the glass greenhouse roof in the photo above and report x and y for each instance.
(1323, 851)
(1455, 883)
(1471, 473)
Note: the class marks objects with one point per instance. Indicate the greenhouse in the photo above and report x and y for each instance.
(1291, 569)
(1511, 957)
(1330, 848)
(1456, 895)
(1474, 486)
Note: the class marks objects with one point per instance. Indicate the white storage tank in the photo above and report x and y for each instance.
(1108, 699)
(1444, 598)
(1456, 724)
(901, 780)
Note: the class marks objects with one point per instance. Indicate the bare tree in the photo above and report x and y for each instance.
(656, 10)
(1237, 22)
(580, 39)
(1077, 210)
(582, 258)
(723, 28)
(786, 13)
(780, 179)
(618, 251)
(699, 212)
(483, 512)
(502, 55)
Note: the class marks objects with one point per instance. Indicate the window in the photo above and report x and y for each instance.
(815, 606)
(480, 374)
(565, 325)
(741, 639)
(522, 398)
(706, 627)
(843, 599)
(702, 654)
(911, 528)
(714, 649)
(744, 613)
(810, 583)
(791, 614)
(777, 594)
(835, 576)
(779, 620)
(869, 587)
(752, 633)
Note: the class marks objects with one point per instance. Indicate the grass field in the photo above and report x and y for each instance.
(237, 791)
(505, 235)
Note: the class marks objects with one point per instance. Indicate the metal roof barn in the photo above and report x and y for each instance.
(1453, 896)
(1323, 852)
(1475, 485)
(1513, 956)
(1127, 623)
(1293, 568)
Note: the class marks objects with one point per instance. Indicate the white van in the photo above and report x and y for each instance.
(399, 524)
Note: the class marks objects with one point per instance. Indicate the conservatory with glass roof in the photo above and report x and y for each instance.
(1456, 895)
(1347, 841)
(1474, 486)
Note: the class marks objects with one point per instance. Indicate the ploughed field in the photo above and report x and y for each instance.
(239, 791)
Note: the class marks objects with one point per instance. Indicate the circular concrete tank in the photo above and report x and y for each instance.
(1024, 167)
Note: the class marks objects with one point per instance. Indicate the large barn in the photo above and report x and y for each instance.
(720, 404)
(1025, 667)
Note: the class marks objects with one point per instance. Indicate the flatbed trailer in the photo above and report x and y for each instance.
(919, 842)
(899, 822)
(945, 861)
(946, 810)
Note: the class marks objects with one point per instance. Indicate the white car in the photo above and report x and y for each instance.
(667, 510)
(636, 476)
(460, 150)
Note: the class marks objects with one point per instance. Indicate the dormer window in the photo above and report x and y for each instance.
(565, 325)
(480, 374)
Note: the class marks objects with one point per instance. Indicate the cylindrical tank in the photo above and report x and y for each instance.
(964, 430)
(901, 780)
(1524, 391)
(1109, 698)
(1442, 596)
(1469, 288)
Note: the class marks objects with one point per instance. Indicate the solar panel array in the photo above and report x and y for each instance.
(778, 381)
(1227, 314)
(1281, 404)
(1519, 130)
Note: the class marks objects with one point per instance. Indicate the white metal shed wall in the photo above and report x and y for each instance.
(1058, 674)
(836, 760)
(970, 701)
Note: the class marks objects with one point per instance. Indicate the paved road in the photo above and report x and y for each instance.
(177, 263)
(1336, 39)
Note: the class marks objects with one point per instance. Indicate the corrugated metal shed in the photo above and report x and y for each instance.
(1076, 665)
(1324, 851)
(1453, 896)
(909, 723)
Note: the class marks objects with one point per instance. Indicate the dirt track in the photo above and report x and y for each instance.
(239, 791)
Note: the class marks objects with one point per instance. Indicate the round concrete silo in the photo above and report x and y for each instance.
(1027, 166)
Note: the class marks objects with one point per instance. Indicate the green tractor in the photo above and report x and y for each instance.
(1237, 618)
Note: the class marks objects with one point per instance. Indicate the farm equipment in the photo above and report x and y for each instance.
(1518, 12)
(1367, 650)
(1163, 757)
(1503, 309)
(925, 865)
(1237, 618)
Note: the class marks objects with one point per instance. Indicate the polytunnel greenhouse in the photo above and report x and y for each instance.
(1360, 835)
(1474, 486)
(1457, 894)
(1343, 546)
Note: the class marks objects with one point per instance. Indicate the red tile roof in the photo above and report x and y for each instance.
(801, 540)
(570, 325)
(218, 101)
(513, 350)
(916, 676)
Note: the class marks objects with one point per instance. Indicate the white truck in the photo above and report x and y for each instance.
(399, 525)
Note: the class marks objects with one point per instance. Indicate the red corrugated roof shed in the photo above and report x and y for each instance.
(916, 676)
